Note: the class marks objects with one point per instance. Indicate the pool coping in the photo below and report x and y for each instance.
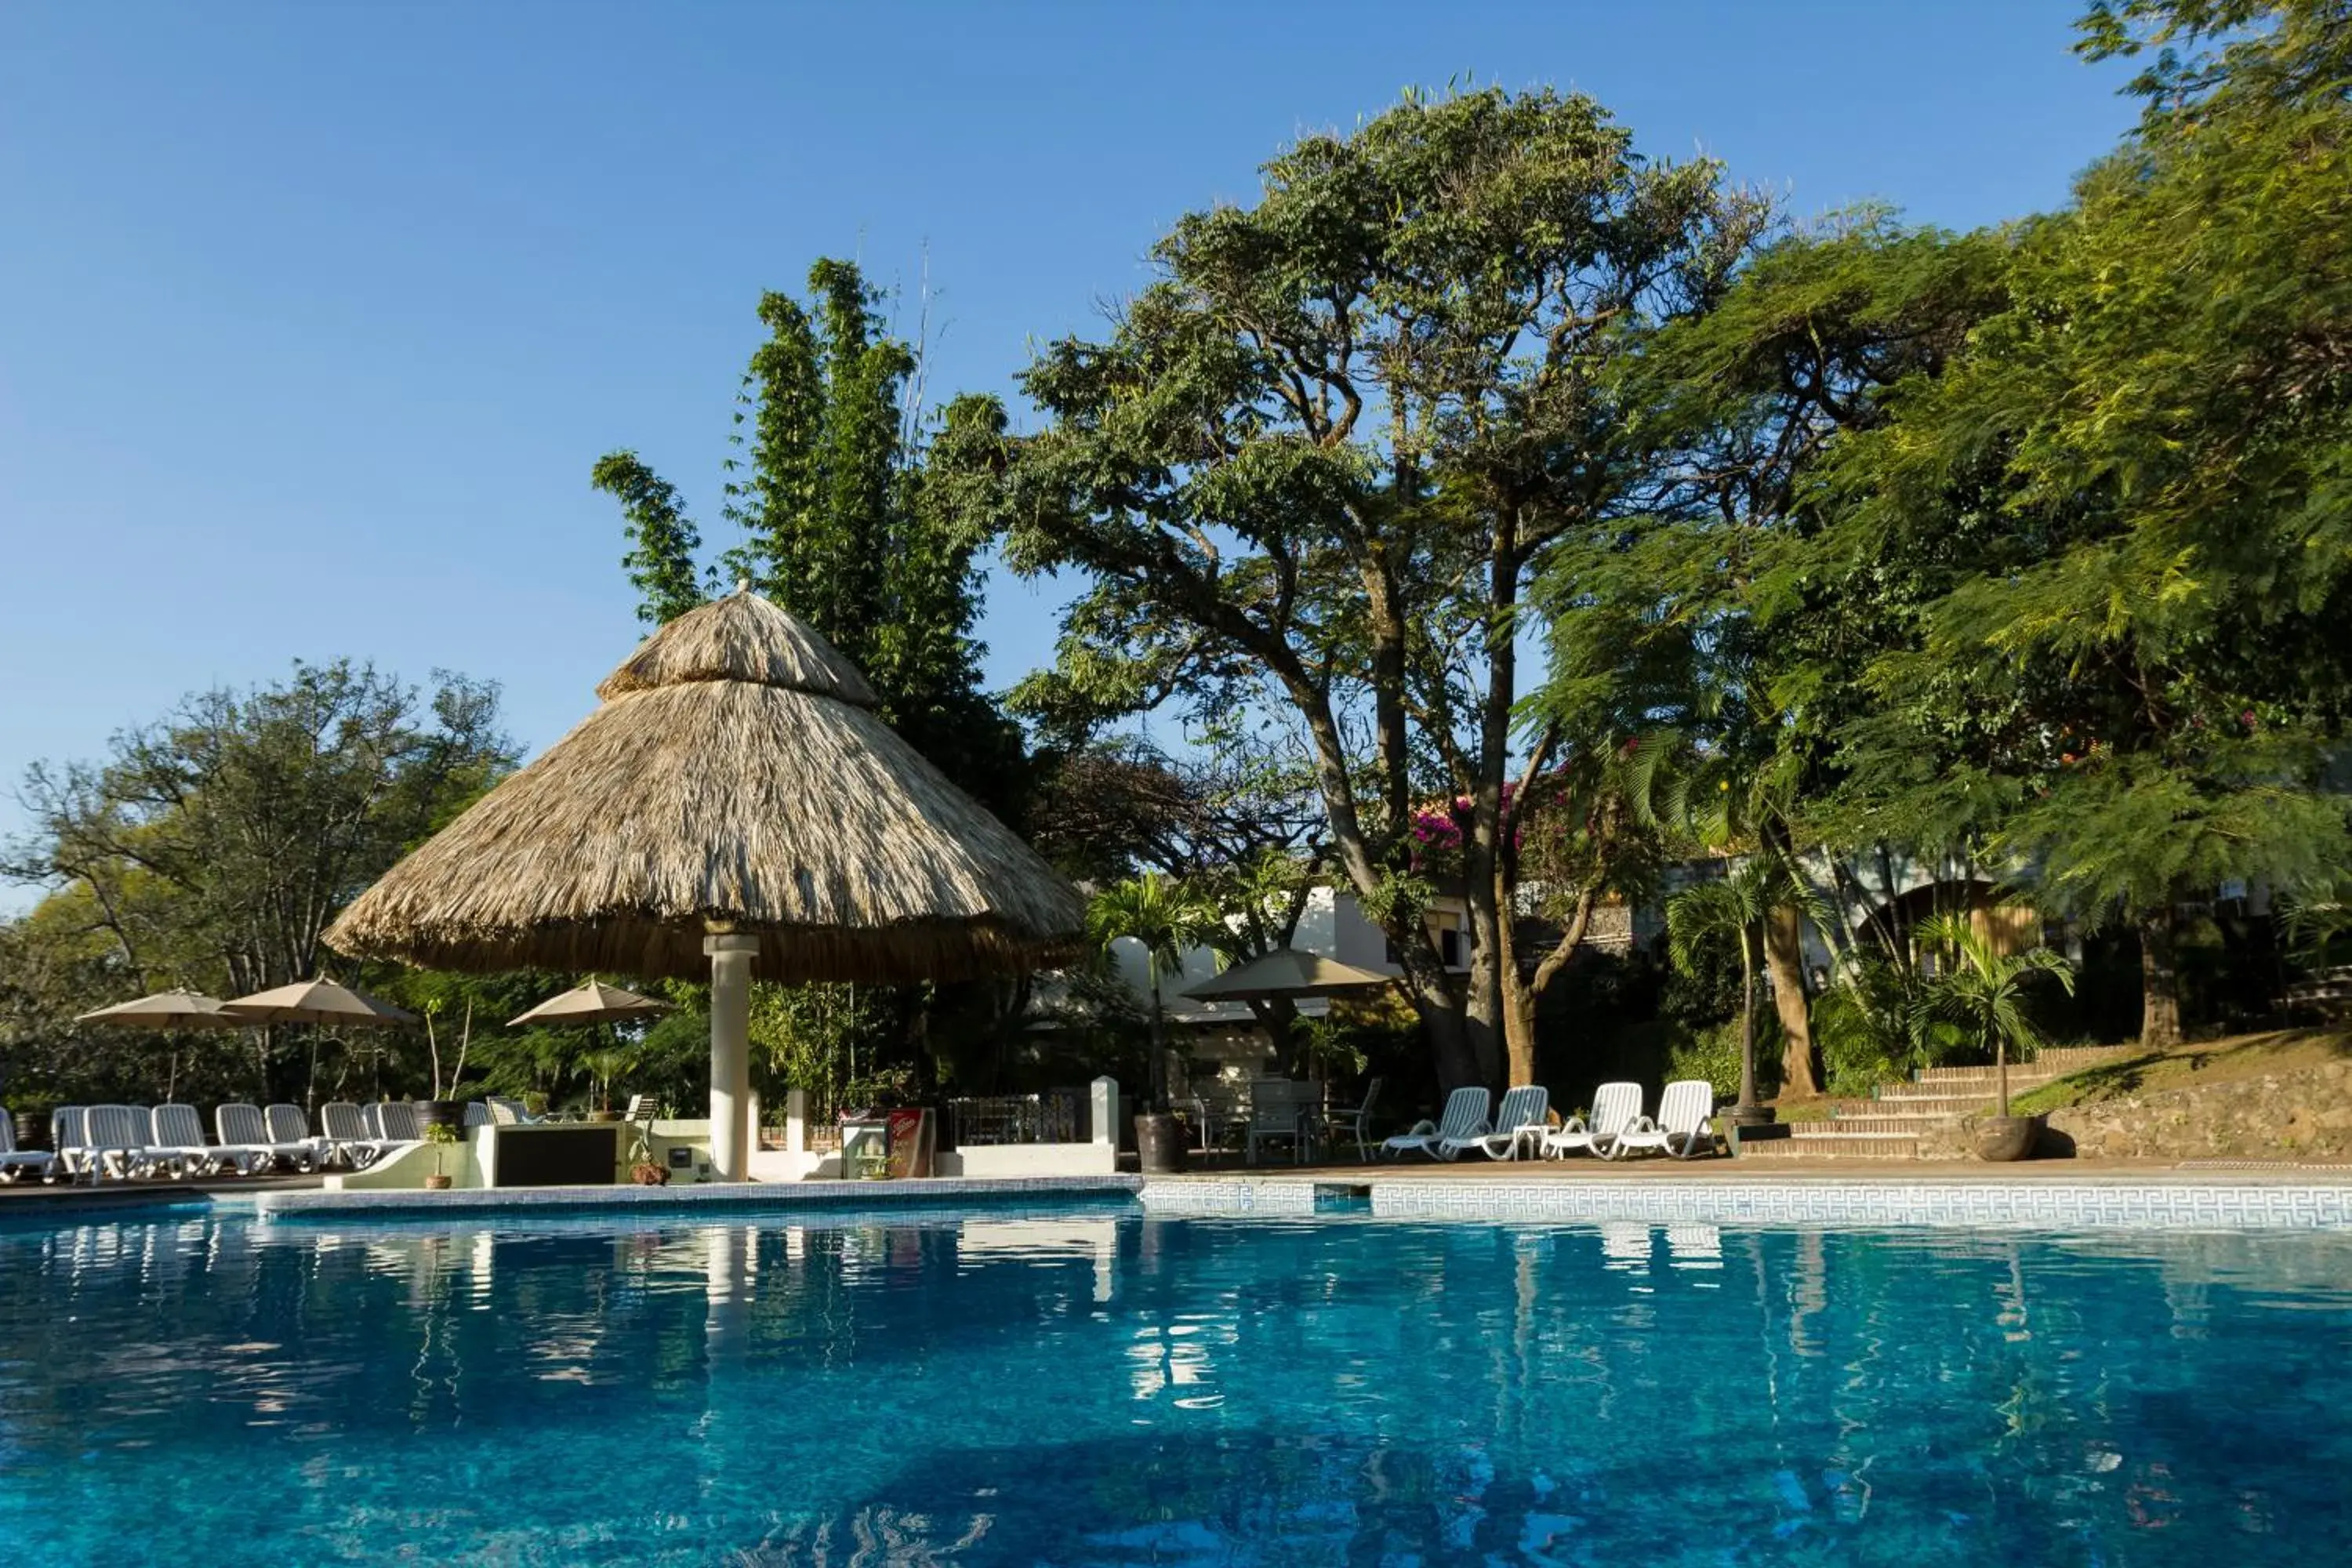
(770, 1196)
(2204, 1199)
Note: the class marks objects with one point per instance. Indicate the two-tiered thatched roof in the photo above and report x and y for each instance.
(735, 779)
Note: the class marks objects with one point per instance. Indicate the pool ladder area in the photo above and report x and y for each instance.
(1343, 1197)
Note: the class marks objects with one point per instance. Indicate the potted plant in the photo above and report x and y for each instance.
(1983, 990)
(601, 1067)
(1166, 920)
(643, 1169)
(441, 1136)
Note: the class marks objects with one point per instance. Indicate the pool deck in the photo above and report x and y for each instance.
(1833, 1192)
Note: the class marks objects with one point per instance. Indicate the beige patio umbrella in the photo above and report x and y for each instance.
(166, 1010)
(591, 1002)
(1290, 972)
(734, 808)
(318, 1001)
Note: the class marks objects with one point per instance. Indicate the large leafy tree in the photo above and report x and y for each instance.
(2135, 478)
(210, 849)
(1317, 464)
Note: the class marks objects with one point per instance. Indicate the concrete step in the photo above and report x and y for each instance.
(2046, 1066)
(1834, 1146)
(1933, 1104)
(1909, 1126)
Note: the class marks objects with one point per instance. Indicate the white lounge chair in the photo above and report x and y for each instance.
(1520, 1119)
(347, 1136)
(1684, 1129)
(1615, 1107)
(14, 1161)
(118, 1141)
(396, 1121)
(477, 1113)
(245, 1140)
(175, 1143)
(1466, 1117)
(69, 1136)
(288, 1125)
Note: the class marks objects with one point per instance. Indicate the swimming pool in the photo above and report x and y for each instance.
(1083, 1385)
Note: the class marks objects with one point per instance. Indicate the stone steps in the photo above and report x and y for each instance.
(1805, 1143)
(1892, 1123)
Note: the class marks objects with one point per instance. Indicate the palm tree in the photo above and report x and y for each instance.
(1733, 906)
(1169, 920)
(1984, 989)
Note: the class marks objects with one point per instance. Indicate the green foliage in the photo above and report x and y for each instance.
(841, 524)
(661, 542)
(1712, 1052)
(1982, 990)
(210, 849)
(1317, 464)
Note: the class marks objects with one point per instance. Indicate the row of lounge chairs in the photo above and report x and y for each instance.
(129, 1142)
(1522, 1126)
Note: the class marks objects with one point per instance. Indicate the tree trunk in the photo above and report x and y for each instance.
(2159, 1011)
(1446, 1019)
(1519, 1035)
(1157, 1072)
(1784, 958)
(1747, 1025)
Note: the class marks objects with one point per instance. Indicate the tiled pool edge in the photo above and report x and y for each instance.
(774, 1197)
(2055, 1203)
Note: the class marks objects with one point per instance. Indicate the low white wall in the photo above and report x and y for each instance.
(1029, 1160)
(404, 1166)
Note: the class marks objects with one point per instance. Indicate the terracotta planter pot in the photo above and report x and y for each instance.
(437, 1184)
(2006, 1137)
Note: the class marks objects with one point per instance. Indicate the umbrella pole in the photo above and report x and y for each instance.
(730, 1054)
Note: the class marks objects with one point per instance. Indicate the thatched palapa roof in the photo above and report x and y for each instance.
(736, 777)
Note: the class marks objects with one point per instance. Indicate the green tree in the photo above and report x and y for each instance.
(1734, 906)
(1317, 465)
(1985, 991)
(661, 542)
(841, 525)
(1167, 918)
(210, 849)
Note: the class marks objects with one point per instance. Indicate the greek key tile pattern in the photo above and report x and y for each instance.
(2051, 1204)
(1233, 1197)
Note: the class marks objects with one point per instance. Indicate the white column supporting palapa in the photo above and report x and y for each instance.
(730, 1055)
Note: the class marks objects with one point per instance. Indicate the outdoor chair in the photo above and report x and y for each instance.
(15, 1161)
(1358, 1123)
(288, 1125)
(245, 1140)
(641, 1108)
(1464, 1117)
(1523, 1117)
(1280, 1110)
(175, 1142)
(69, 1136)
(396, 1121)
(118, 1141)
(1615, 1107)
(1684, 1128)
(477, 1113)
(348, 1137)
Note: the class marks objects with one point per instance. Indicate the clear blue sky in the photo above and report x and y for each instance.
(315, 316)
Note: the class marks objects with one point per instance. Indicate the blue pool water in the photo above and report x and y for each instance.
(1085, 1386)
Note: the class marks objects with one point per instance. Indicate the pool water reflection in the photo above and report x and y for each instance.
(1087, 1386)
